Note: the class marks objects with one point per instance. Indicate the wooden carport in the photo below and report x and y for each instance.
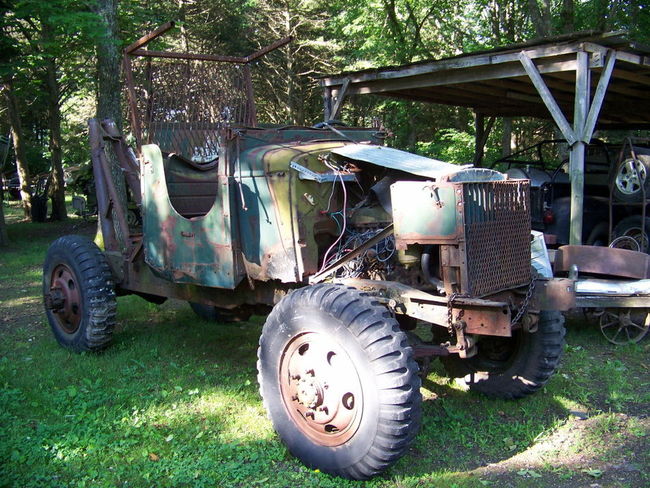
(582, 82)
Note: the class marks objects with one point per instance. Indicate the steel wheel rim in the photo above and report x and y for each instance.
(63, 286)
(320, 388)
(628, 181)
(621, 326)
(639, 235)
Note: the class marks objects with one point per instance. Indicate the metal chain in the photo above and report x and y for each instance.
(524, 305)
(450, 313)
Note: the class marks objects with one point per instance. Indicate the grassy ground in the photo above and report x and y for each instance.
(174, 403)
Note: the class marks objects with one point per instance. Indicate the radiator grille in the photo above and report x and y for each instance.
(497, 233)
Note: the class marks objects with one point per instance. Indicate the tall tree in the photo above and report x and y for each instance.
(17, 136)
(108, 62)
(540, 14)
(55, 38)
(9, 55)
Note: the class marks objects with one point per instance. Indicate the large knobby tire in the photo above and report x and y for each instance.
(338, 380)
(210, 313)
(512, 367)
(79, 293)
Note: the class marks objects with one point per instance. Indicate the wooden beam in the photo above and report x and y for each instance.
(577, 154)
(547, 97)
(455, 77)
(632, 76)
(599, 96)
(340, 96)
(327, 103)
(460, 62)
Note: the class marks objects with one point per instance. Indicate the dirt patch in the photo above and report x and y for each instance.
(569, 457)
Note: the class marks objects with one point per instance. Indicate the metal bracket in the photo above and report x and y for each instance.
(307, 174)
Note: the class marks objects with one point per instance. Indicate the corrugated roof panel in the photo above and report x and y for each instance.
(396, 159)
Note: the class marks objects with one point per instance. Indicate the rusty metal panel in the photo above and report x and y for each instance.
(396, 159)
(497, 233)
(554, 294)
(425, 213)
(196, 250)
(603, 260)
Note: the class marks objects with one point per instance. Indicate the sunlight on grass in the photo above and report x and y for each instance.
(570, 404)
(25, 300)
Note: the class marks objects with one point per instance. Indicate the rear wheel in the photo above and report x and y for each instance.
(339, 381)
(623, 325)
(512, 367)
(79, 294)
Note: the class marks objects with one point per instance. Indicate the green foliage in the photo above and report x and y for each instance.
(450, 145)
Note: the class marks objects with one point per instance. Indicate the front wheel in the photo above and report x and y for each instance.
(512, 367)
(339, 381)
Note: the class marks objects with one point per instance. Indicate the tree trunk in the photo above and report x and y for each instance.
(109, 88)
(108, 63)
(506, 137)
(19, 147)
(4, 238)
(568, 16)
(540, 15)
(59, 211)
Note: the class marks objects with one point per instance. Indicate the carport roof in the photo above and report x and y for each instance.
(497, 83)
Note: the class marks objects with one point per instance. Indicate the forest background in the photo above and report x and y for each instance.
(60, 64)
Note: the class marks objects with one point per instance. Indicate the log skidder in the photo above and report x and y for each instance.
(349, 243)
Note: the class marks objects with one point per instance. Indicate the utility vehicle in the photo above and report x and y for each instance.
(366, 259)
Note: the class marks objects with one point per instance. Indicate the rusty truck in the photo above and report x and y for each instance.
(368, 260)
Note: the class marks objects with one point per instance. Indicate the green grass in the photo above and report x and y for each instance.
(174, 402)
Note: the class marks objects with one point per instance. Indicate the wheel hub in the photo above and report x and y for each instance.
(321, 389)
(64, 298)
(630, 177)
(310, 394)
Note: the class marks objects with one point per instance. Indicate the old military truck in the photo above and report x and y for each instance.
(351, 247)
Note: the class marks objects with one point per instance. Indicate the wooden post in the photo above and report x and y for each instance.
(327, 103)
(340, 96)
(577, 155)
(479, 123)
